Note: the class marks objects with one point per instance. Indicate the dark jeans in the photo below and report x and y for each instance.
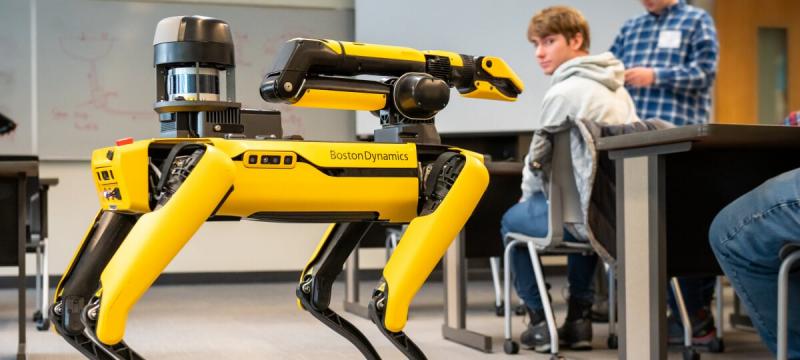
(530, 218)
(746, 237)
(697, 294)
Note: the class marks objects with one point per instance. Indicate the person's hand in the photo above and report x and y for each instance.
(640, 77)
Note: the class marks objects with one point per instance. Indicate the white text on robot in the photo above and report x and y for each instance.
(368, 156)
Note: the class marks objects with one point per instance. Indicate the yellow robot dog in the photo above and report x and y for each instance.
(216, 161)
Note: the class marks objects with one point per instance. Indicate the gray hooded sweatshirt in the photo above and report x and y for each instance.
(584, 88)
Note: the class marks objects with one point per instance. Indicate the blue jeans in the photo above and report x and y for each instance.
(530, 218)
(746, 237)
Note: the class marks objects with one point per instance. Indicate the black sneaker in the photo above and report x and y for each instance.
(576, 333)
(536, 336)
(703, 329)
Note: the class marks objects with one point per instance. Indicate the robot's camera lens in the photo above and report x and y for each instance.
(193, 83)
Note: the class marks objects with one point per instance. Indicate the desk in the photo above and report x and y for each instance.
(15, 171)
(486, 217)
(669, 186)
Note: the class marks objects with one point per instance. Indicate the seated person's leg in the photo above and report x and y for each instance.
(697, 294)
(746, 237)
(530, 218)
(577, 330)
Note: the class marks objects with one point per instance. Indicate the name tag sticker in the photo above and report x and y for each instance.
(670, 39)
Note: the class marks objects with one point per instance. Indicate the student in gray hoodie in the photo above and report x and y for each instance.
(583, 87)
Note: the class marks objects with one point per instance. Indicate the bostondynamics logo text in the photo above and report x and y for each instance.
(368, 156)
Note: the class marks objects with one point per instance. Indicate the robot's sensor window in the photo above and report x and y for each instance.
(270, 160)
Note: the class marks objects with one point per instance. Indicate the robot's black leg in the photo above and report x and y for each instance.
(399, 339)
(314, 290)
(82, 280)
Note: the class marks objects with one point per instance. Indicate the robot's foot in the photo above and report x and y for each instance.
(400, 340)
(86, 342)
(339, 324)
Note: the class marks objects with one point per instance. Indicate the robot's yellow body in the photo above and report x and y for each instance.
(155, 194)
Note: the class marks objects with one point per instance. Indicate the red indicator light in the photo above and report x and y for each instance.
(125, 141)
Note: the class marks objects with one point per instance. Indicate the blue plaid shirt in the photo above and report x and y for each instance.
(681, 45)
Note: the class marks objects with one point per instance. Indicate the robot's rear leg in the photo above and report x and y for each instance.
(81, 282)
(314, 290)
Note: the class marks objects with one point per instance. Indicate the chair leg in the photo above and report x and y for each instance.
(689, 351)
(39, 303)
(509, 346)
(717, 344)
(548, 308)
(783, 294)
(613, 340)
(494, 262)
(45, 284)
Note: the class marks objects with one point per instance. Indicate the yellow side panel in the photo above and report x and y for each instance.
(332, 154)
(426, 239)
(485, 90)
(382, 51)
(342, 100)
(498, 68)
(455, 58)
(156, 239)
(306, 189)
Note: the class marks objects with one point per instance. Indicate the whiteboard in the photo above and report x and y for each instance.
(476, 27)
(96, 81)
(15, 76)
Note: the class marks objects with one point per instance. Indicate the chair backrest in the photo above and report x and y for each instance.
(564, 205)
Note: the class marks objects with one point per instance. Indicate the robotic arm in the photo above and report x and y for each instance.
(320, 73)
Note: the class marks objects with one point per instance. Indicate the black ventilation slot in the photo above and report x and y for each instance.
(229, 116)
(439, 66)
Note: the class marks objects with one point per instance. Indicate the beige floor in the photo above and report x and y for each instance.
(261, 322)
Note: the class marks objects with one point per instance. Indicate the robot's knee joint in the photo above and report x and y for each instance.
(439, 177)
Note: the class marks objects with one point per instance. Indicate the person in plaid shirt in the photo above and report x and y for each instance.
(670, 55)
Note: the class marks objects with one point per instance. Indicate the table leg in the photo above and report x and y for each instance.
(641, 248)
(351, 287)
(455, 294)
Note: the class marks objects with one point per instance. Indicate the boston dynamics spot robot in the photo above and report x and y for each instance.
(217, 161)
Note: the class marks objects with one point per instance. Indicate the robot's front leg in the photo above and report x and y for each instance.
(80, 282)
(453, 186)
(314, 290)
(195, 184)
